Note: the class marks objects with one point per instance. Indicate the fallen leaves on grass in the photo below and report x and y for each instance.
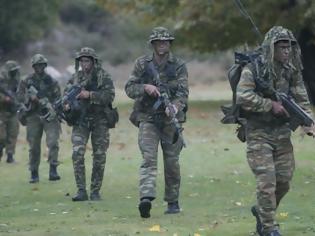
(120, 146)
(283, 215)
(155, 228)
(194, 195)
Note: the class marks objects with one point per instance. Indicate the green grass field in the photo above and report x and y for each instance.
(217, 189)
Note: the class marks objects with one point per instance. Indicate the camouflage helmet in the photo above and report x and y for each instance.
(160, 33)
(11, 65)
(38, 59)
(279, 33)
(86, 52)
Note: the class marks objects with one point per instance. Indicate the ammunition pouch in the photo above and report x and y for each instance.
(22, 115)
(134, 118)
(241, 132)
(112, 116)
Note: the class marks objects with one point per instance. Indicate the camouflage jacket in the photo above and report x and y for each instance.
(101, 86)
(48, 91)
(285, 79)
(9, 84)
(173, 74)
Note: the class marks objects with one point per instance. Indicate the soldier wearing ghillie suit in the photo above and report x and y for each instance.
(95, 98)
(9, 124)
(155, 77)
(38, 92)
(269, 148)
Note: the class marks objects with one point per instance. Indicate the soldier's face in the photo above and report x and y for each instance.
(161, 47)
(282, 51)
(39, 68)
(13, 73)
(86, 64)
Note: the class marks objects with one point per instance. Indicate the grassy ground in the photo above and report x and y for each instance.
(216, 194)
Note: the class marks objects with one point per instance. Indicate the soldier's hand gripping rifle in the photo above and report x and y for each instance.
(69, 99)
(14, 104)
(77, 109)
(298, 117)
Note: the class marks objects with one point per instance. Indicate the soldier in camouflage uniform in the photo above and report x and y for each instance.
(96, 97)
(269, 148)
(142, 86)
(38, 92)
(9, 124)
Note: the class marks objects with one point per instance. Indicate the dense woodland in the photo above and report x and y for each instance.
(201, 26)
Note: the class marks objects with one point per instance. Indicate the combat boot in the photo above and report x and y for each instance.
(10, 158)
(80, 196)
(144, 208)
(95, 196)
(172, 208)
(53, 175)
(258, 222)
(273, 233)
(34, 177)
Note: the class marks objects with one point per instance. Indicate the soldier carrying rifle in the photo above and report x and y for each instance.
(159, 86)
(263, 94)
(38, 92)
(9, 124)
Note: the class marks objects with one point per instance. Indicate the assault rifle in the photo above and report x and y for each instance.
(47, 112)
(14, 104)
(298, 117)
(164, 102)
(77, 111)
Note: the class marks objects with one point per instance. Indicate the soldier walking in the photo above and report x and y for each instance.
(9, 124)
(269, 148)
(95, 100)
(38, 92)
(155, 78)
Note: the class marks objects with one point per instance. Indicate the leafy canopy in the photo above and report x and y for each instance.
(209, 25)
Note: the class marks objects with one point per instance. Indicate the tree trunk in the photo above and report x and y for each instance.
(306, 41)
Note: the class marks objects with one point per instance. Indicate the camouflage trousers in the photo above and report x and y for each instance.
(270, 157)
(100, 142)
(9, 130)
(148, 141)
(34, 132)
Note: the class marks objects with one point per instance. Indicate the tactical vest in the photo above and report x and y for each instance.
(144, 106)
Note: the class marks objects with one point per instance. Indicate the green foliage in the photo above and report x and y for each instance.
(21, 21)
(218, 25)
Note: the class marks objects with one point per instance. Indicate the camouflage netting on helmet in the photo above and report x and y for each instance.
(160, 33)
(11, 66)
(276, 34)
(38, 59)
(86, 52)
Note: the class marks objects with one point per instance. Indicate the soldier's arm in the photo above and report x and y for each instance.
(106, 93)
(134, 87)
(247, 96)
(21, 93)
(181, 95)
(56, 91)
(2, 96)
(299, 93)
